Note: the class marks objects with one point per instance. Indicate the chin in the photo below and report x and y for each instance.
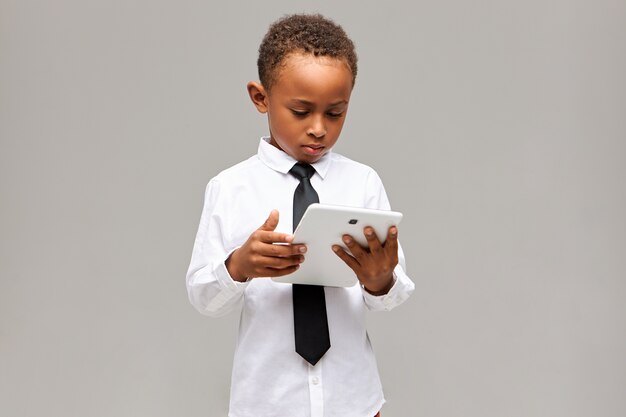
(310, 159)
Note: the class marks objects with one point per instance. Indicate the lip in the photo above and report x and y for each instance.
(313, 149)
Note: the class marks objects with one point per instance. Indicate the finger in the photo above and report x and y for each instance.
(355, 248)
(372, 240)
(274, 237)
(271, 222)
(391, 244)
(281, 250)
(271, 272)
(280, 263)
(346, 257)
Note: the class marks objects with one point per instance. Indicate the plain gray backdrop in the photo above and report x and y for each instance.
(498, 128)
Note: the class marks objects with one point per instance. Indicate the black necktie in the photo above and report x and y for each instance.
(309, 301)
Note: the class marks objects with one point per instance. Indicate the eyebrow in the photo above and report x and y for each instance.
(308, 103)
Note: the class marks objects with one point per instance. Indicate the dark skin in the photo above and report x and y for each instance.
(261, 257)
(372, 265)
(306, 109)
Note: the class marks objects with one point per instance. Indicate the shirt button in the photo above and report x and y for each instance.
(315, 380)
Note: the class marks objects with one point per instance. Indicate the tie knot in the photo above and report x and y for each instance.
(302, 171)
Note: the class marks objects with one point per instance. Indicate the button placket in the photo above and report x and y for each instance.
(316, 390)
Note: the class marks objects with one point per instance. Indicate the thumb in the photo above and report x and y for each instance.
(271, 222)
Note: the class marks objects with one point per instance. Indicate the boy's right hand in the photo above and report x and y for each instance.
(260, 257)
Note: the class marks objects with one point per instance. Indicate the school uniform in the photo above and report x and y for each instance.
(269, 378)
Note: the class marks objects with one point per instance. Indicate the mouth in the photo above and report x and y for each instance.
(313, 149)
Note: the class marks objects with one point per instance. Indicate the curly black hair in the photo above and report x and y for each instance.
(308, 33)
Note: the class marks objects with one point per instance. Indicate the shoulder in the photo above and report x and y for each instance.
(232, 179)
(238, 172)
(372, 188)
(347, 166)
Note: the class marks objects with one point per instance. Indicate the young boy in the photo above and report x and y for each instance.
(307, 68)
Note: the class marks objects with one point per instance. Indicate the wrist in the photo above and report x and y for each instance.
(233, 270)
(382, 290)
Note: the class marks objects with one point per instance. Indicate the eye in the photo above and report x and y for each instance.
(299, 113)
(335, 115)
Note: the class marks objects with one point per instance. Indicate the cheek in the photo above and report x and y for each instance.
(336, 127)
(285, 129)
(291, 126)
(284, 120)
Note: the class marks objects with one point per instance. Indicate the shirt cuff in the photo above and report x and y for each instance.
(401, 290)
(225, 280)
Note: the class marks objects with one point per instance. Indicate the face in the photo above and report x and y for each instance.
(307, 105)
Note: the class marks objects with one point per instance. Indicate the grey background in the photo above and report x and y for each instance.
(498, 128)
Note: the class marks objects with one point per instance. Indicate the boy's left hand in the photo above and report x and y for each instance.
(374, 265)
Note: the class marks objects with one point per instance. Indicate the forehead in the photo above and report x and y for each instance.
(308, 76)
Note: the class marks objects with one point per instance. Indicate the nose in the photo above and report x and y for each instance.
(317, 128)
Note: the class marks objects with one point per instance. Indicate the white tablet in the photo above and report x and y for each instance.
(323, 226)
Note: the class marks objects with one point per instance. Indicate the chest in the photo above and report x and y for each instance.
(249, 203)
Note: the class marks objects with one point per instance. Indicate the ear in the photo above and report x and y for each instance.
(258, 95)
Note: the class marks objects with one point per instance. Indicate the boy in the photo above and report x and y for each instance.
(307, 69)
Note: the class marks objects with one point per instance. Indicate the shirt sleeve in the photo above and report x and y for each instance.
(402, 286)
(211, 289)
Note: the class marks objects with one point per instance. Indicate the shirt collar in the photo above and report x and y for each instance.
(281, 161)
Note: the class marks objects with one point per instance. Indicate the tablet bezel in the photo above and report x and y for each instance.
(323, 226)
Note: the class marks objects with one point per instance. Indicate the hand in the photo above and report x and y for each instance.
(374, 265)
(260, 257)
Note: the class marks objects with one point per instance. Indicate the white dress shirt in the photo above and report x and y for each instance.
(269, 378)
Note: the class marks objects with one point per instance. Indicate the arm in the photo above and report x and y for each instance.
(210, 287)
(402, 287)
(218, 275)
(379, 268)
